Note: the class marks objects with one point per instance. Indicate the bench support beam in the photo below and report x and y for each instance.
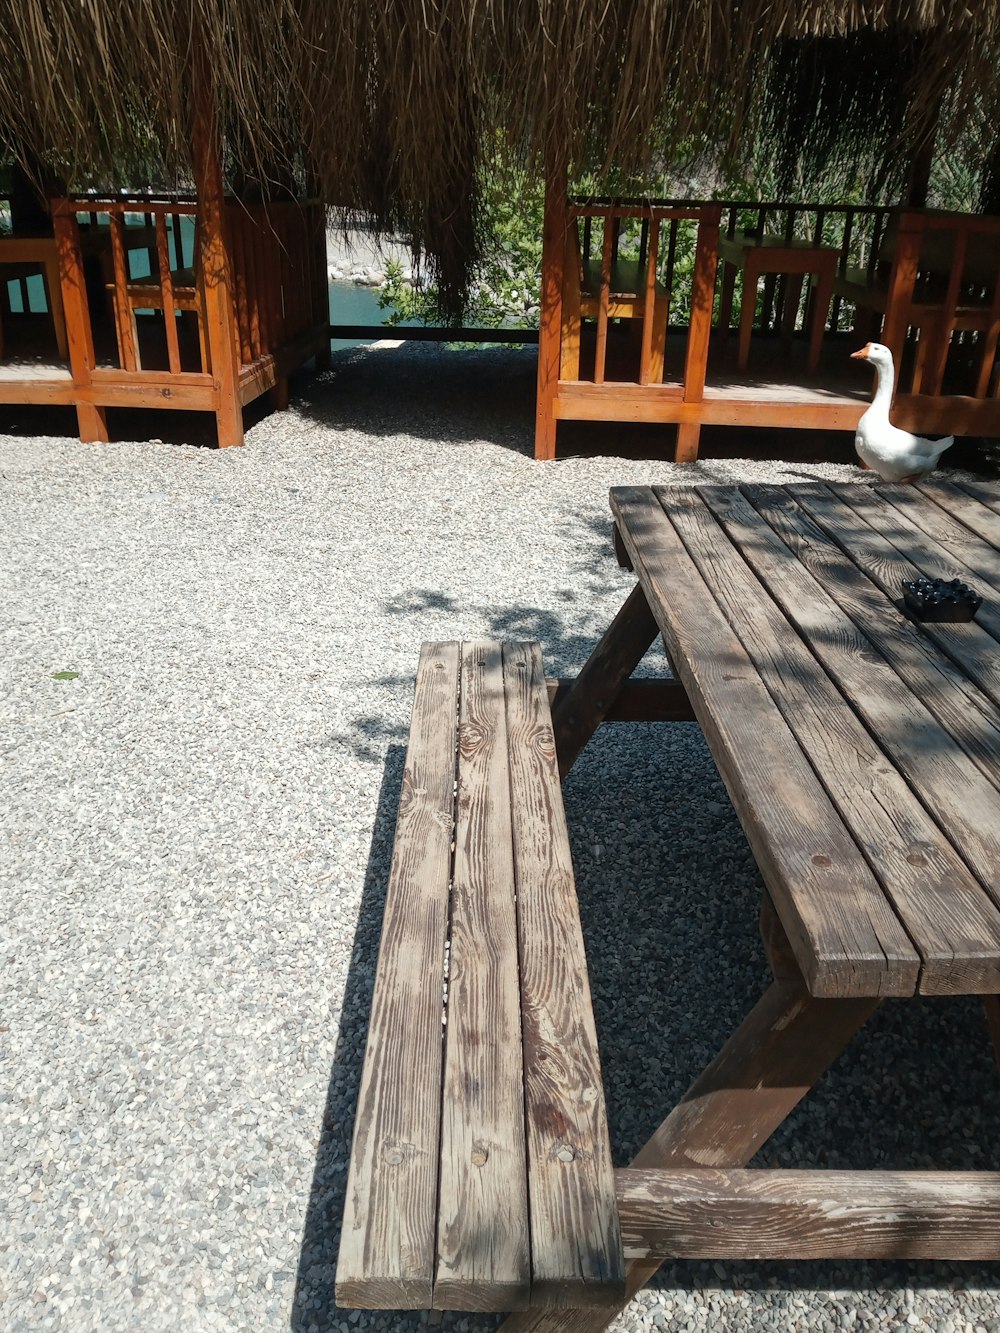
(637, 701)
(766, 1214)
(781, 1049)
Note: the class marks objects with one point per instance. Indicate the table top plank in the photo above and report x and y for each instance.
(951, 920)
(483, 1246)
(890, 548)
(985, 492)
(967, 509)
(860, 584)
(576, 1248)
(958, 795)
(846, 937)
(936, 543)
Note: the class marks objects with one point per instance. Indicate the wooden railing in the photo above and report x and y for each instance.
(637, 277)
(276, 271)
(278, 256)
(856, 230)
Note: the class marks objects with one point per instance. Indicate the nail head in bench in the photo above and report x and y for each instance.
(481, 1175)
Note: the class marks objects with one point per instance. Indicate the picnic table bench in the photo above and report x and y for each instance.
(481, 1173)
(861, 750)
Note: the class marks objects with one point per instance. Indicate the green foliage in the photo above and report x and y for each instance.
(506, 283)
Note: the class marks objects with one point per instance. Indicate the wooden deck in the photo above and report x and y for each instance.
(600, 358)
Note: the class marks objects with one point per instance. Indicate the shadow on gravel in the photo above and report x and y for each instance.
(314, 1304)
(461, 396)
(669, 894)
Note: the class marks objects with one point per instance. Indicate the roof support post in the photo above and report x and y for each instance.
(216, 276)
(550, 322)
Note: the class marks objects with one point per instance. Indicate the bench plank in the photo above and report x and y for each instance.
(387, 1239)
(483, 1239)
(576, 1245)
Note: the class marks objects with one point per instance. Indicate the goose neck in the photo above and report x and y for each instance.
(883, 388)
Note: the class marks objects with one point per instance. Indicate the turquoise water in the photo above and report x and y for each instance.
(350, 303)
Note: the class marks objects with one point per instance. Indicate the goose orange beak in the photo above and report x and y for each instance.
(861, 355)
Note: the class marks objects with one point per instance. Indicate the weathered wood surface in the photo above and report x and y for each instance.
(481, 1174)
(483, 1252)
(576, 1255)
(783, 601)
(620, 650)
(781, 1049)
(387, 1239)
(652, 700)
(770, 1214)
(845, 935)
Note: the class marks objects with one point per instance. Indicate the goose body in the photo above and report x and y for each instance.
(894, 454)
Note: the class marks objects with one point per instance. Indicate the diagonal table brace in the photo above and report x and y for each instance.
(579, 710)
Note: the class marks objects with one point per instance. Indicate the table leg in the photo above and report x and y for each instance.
(54, 293)
(784, 1045)
(821, 297)
(726, 298)
(792, 297)
(623, 646)
(748, 308)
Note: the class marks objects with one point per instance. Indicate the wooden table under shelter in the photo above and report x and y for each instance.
(792, 259)
(861, 750)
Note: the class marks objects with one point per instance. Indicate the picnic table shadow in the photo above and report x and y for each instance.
(675, 963)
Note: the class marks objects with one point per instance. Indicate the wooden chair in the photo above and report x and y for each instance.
(933, 275)
(166, 289)
(626, 299)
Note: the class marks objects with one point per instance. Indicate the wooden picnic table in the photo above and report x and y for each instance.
(861, 750)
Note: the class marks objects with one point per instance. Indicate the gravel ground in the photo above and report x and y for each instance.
(195, 834)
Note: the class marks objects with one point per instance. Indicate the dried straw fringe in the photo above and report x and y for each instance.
(390, 106)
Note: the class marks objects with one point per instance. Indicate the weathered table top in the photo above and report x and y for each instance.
(861, 748)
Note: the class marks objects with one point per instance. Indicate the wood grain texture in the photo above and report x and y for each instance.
(958, 794)
(784, 1045)
(620, 650)
(979, 518)
(576, 1256)
(811, 1214)
(845, 936)
(888, 546)
(940, 547)
(483, 1241)
(387, 1239)
(651, 700)
(949, 917)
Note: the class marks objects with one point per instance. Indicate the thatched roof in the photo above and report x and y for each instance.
(391, 106)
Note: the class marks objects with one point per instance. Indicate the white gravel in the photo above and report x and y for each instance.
(194, 836)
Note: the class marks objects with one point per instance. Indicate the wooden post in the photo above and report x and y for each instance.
(550, 324)
(699, 332)
(92, 420)
(215, 271)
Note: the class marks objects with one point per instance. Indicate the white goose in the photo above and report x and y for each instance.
(894, 454)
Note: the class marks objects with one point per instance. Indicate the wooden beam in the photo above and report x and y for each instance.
(554, 226)
(768, 1065)
(638, 701)
(583, 708)
(709, 1214)
(215, 277)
